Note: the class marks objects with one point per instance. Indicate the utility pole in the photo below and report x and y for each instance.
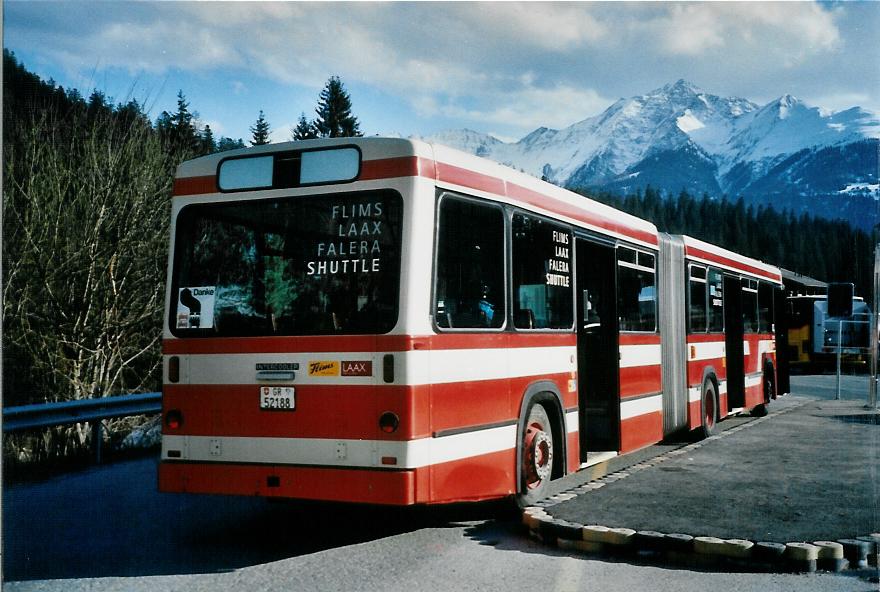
(872, 387)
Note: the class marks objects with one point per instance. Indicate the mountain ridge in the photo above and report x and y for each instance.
(681, 137)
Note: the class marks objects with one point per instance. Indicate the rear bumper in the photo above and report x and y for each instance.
(371, 486)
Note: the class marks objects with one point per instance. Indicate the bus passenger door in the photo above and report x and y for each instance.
(598, 361)
(733, 343)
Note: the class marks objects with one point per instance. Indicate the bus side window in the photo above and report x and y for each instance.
(469, 287)
(542, 287)
(697, 300)
(765, 308)
(715, 296)
(636, 290)
(750, 305)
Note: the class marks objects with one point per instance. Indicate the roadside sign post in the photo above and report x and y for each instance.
(839, 339)
(840, 306)
(875, 309)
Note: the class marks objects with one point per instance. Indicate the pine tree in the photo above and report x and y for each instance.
(304, 130)
(209, 146)
(178, 129)
(334, 112)
(260, 131)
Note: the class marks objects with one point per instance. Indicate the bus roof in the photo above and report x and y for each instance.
(704, 252)
(386, 158)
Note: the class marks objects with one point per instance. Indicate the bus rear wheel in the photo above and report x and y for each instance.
(536, 449)
(708, 410)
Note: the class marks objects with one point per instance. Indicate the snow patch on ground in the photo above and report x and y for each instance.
(147, 435)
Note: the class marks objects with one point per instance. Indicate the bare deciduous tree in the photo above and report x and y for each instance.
(85, 220)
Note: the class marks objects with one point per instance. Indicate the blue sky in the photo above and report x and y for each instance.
(419, 68)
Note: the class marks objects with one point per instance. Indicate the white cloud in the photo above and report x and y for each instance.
(792, 30)
(511, 66)
(531, 107)
(551, 26)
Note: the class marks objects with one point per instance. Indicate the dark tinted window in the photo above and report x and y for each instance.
(750, 305)
(469, 288)
(295, 266)
(636, 291)
(765, 308)
(697, 300)
(542, 290)
(715, 300)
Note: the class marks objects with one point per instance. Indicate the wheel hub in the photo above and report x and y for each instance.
(539, 455)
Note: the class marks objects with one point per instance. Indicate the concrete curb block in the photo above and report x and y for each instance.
(856, 552)
(701, 551)
(874, 551)
(687, 550)
(830, 556)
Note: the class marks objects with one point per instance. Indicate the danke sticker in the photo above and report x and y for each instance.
(195, 307)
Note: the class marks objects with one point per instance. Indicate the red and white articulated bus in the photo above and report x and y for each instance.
(393, 322)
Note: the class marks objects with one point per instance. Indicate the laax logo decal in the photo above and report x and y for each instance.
(324, 368)
(354, 368)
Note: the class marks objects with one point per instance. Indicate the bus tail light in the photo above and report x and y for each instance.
(389, 422)
(174, 419)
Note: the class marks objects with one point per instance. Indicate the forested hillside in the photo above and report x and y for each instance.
(825, 249)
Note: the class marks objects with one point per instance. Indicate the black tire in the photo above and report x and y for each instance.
(708, 410)
(536, 452)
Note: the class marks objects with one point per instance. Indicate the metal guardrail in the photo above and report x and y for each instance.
(46, 415)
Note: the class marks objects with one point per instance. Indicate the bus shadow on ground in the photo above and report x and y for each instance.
(216, 534)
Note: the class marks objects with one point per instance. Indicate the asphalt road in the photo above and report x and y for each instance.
(108, 529)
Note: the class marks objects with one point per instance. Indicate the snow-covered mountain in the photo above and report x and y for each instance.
(786, 152)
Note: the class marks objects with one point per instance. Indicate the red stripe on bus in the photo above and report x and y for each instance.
(195, 185)
(352, 412)
(448, 173)
(705, 338)
(640, 380)
(500, 340)
(472, 404)
(318, 483)
(541, 200)
(640, 431)
(389, 168)
(322, 411)
(694, 252)
(639, 339)
(696, 368)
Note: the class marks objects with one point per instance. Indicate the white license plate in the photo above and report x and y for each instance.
(277, 398)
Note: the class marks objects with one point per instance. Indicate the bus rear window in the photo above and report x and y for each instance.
(315, 265)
